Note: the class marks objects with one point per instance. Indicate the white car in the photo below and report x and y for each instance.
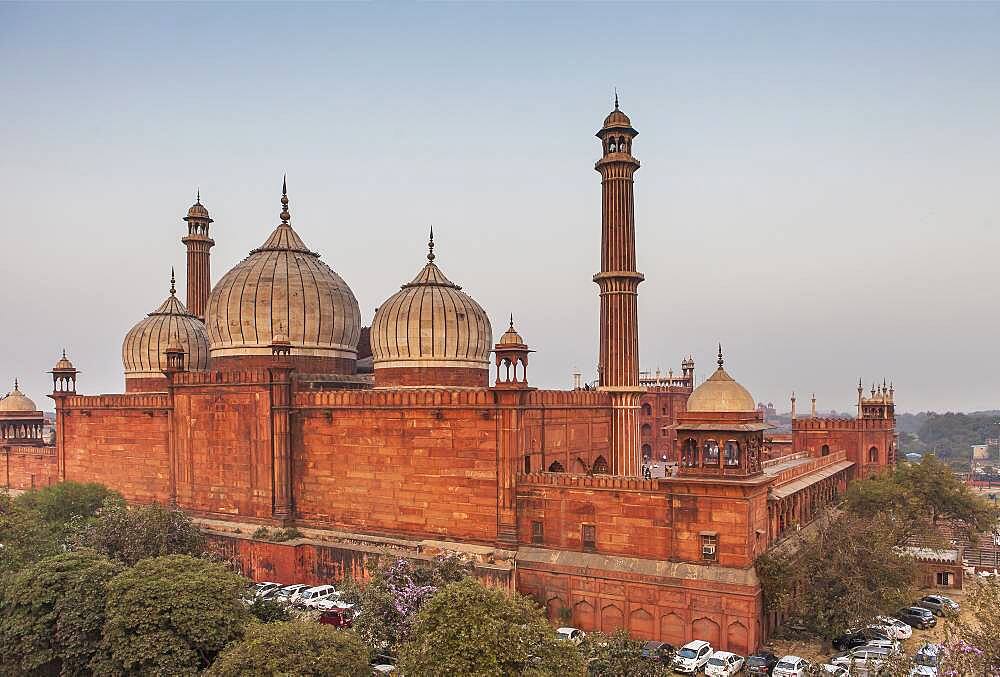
(309, 597)
(791, 666)
(925, 661)
(892, 645)
(692, 657)
(724, 664)
(331, 602)
(895, 628)
(864, 659)
(835, 670)
(290, 593)
(262, 589)
(573, 635)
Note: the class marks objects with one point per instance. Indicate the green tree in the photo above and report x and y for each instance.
(468, 629)
(132, 533)
(618, 654)
(839, 576)
(24, 536)
(268, 611)
(58, 503)
(920, 496)
(170, 616)
(394, 594)
(297, 648)
(52, 612)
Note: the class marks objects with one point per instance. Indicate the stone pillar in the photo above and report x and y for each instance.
(281, 441)
(199, 271)
(510, 444)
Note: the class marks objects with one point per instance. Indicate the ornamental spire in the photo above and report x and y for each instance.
(430, 246)
(173, 282)
(616, 98)
(284, 201)
(720, 360)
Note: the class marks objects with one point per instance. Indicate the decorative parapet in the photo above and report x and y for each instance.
(433, 398)
(771, 462)
(814, 464)
(124, 401)
(26, 450)
(805, 424)
(610, 482)
(257, 376)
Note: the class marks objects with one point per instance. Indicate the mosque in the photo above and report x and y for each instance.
(261, 400)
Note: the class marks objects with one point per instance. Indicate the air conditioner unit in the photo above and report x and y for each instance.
(708, 551)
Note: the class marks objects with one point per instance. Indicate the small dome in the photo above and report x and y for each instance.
(720, 393)
(18, 402)
(64, 364)
(511, 337)
(144, 347)
(617, 119)
(431, 322)
(283, 287)
(198, 211)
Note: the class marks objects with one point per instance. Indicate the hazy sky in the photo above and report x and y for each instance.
(819, 183)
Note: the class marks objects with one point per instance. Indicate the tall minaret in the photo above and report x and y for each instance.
(618, 365)
(199, 270)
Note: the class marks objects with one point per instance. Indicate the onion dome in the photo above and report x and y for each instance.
(720, 393)
(17, 402)
(431, 333)
(145, 346)
(284, 284)
(511, 337)
(64, 364)
(197, 211)
(617, 119)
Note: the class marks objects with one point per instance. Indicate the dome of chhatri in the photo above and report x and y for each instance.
(617, 118)
(144, 347)
(511, 337)
(431, 322)
(283, 287)
(17, 402)
(720, 393)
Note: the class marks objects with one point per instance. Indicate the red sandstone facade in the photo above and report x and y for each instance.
(543, 489)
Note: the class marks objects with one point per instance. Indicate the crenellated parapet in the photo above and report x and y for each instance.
(123, 401)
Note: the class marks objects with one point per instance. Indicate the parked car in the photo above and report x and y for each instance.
(925, 661)
(659, 652)
(892, 645)
(866, 658)
(692, 657)
(338, 618)
(574, 635)
(310, 596)
(896, 628)
(761, 663)
(939, 605)
(835, 670)
(724, 664)
(383, 665)
(917, 617)
(855, 638)
(290, 593)
(262, 589)
(331, 602)
(791, 666)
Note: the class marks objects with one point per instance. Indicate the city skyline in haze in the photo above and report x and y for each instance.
(817, 189)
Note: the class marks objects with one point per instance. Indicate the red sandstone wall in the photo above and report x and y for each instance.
(676, 611)
(27, 467)
(571, 428)
(658, 409)
(222, 442)
(420, 463)
(119, 441)
(855, 437)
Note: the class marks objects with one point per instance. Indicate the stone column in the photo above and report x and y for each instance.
(281, 442)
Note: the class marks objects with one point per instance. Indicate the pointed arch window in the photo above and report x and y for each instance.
(600, 466)
(556, 466)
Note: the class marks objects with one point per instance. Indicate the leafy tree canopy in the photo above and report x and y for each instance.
(297, 648)
(468, 629)
(132, 533)
(58, 503)
(170, 616)
(52, 612)
(394, 594)
(24, 536)
(619, 654)
(973, 643)
(921, 494)
(839, 576)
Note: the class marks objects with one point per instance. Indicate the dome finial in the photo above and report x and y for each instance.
(720, 360)
(15, 384)
(284, 200)
(198, 198)
(430, 246)
(173, 282)
(616, 98)
(64, 353)
(512, 321)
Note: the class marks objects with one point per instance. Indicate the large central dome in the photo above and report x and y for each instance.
(720, 393)
(284, 288)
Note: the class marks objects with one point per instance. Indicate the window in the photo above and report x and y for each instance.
(600, 466)
(689, 454)
(556, 466)
(711, 453)
(709, 543)
(647, 410)
(589, 537)
(647, 452)
(825, 451)
(944, 578)
(527, 464)
(873, 455)
(732, 454)
(537, 532)
(646, 430)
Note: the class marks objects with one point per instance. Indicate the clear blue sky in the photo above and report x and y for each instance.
(818, 190)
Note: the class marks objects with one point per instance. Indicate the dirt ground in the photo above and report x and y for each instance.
(812, 650)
